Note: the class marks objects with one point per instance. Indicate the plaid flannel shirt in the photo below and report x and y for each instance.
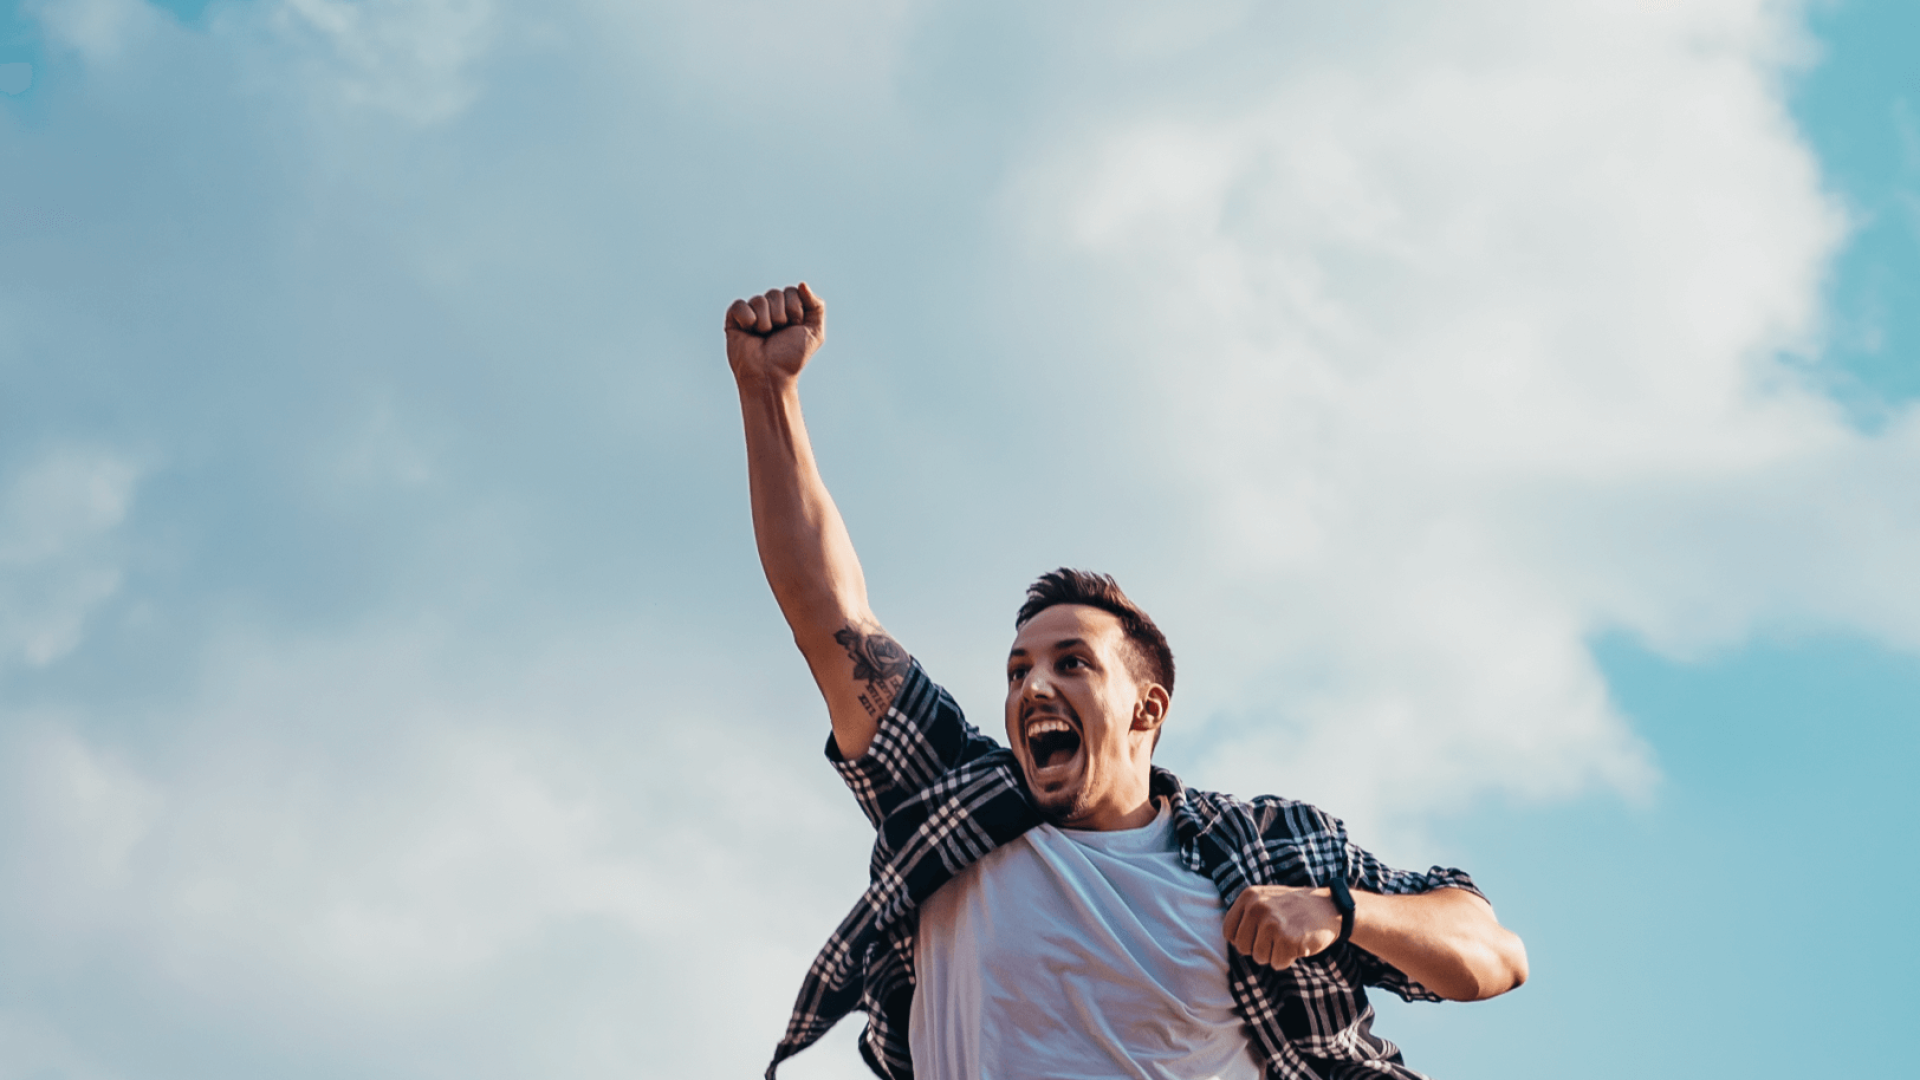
(941, 795)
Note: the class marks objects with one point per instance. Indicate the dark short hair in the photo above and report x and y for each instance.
(1153, 659)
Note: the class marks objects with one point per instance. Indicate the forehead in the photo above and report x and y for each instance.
(1100, 629)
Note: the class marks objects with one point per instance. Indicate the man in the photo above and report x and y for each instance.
(1061, 907)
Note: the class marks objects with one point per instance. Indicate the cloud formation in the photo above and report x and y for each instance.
(58, 518)
(1491, 338)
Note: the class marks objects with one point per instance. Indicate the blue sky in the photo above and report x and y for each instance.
(1508, 409)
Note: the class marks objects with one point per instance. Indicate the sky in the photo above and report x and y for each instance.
(1508, 410)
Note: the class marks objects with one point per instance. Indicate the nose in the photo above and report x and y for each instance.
(1037, 685)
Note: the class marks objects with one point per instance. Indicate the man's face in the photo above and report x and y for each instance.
(1079, 722)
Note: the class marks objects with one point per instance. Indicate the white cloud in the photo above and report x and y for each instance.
(58, 517)
(102, 31)
(1480, 327)
(382, 831)
(410, 60)
(31, 1047)
(812, 69)
(413, 60)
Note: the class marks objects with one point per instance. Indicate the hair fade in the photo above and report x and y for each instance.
(1067, 586)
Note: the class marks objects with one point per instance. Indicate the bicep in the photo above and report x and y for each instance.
(859, 668)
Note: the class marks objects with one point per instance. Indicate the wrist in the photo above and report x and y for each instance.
(1342, 898)
(780, 393)
(751, 381)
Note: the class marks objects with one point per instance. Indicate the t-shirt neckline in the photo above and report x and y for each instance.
(1154, 836)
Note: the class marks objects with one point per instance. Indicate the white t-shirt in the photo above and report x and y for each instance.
(1069, 954)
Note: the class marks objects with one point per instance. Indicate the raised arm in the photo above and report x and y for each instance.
(804, 546)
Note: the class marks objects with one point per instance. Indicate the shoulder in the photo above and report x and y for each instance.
(921, 737)
(1265, 840)
(1268, 816)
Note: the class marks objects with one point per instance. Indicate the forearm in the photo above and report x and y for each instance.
(1447, 940)
(804, 547)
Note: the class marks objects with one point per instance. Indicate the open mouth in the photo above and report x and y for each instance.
(1051, 742)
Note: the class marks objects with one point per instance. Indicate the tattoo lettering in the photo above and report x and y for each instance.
(878, 661)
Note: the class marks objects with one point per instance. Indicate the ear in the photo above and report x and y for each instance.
(1150, 711)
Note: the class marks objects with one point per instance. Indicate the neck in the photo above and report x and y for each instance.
(1129, 812)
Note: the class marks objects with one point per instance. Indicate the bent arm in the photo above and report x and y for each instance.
(1447, 940)
(804, 546)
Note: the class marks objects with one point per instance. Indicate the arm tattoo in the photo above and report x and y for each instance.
(878, 661)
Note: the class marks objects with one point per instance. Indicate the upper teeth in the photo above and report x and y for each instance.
(1047, 726)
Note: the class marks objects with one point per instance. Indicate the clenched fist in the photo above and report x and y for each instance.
(771, 337)
(1278, 924)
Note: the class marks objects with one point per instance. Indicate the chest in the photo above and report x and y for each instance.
(1047, 911)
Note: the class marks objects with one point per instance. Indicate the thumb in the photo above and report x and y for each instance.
(816, 318)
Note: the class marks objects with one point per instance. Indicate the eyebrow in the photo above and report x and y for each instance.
(1063, 643)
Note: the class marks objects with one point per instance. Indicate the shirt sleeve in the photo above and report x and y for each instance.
(922, 736)
(1365, 871)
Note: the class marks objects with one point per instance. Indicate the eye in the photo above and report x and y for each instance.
(1014, 673)
(1071, 663)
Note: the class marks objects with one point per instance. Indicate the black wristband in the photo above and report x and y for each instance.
(1343, 903)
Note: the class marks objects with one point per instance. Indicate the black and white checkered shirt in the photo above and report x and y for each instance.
(941, 795)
